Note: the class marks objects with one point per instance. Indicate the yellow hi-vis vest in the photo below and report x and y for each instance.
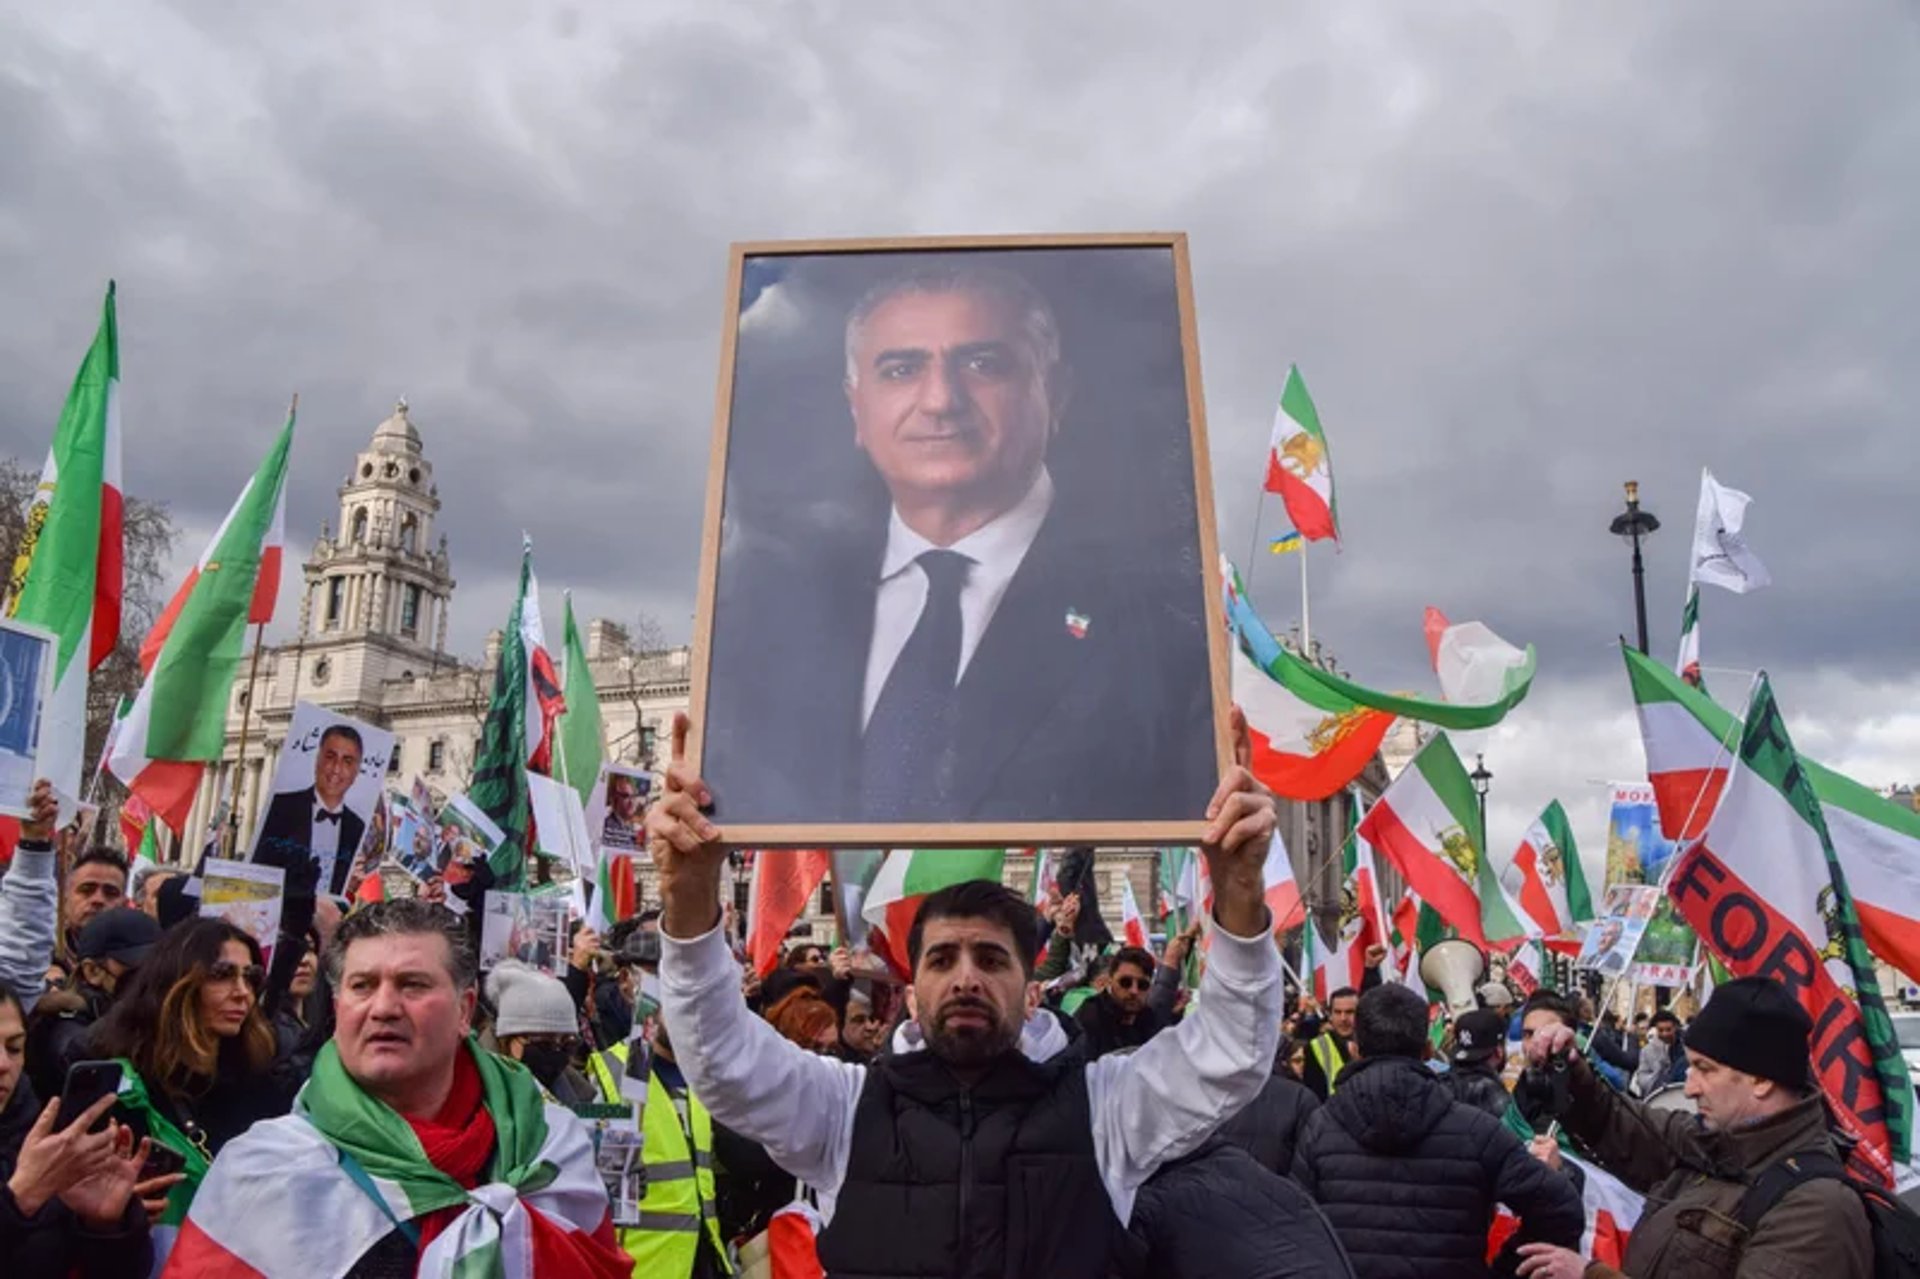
(679, 1199)
(1327, 1053)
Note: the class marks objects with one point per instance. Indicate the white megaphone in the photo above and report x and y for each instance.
(1454, 967)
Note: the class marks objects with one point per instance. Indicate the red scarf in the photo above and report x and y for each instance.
(458, 1140)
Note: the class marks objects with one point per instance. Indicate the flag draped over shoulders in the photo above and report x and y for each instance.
(311, 1193)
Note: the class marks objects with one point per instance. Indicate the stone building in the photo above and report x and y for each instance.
(372, 644)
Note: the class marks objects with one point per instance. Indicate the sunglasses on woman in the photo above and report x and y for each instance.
(253, 974)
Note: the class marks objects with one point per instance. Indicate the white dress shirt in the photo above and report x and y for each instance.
(996, 550)
(323, 840)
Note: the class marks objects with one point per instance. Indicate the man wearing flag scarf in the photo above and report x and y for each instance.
(410, 1151)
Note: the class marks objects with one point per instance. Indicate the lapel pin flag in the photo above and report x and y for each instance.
(1077, 624)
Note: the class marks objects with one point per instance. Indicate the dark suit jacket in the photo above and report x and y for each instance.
(1112, 724)
(286, 838)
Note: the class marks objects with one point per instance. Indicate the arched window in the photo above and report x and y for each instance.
(360, 525)
(410, 535)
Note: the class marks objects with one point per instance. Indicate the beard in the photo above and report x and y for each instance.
(970, 1046)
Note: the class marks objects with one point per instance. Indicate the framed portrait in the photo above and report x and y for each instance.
(957, 580)
(26, 682)
(616, 807)
(328, 781)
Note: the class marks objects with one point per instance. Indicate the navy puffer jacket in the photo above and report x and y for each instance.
(1217, 1214)
(1409, 1177)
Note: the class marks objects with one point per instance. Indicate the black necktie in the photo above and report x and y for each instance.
(906, 753)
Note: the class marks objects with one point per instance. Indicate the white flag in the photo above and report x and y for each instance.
(1721, 556)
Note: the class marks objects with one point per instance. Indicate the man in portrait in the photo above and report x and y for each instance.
(314, 823)
(989, 644)
(620, 832)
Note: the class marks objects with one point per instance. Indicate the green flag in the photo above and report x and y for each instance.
(580, 738)
(499, 784)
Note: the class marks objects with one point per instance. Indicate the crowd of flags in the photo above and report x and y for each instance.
(1836, 864)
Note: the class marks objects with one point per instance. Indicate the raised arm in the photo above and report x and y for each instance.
(1161, 1102)
(797, 1104)
(30, 902)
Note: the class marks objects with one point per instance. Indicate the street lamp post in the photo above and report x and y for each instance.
(1482, 782)
(1635, 524)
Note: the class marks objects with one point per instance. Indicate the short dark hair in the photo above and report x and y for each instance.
(1554, 1002)
(1391, 1022)
(347, 731)
(406, 916)
(1345, 992)
(980, 899)
(1666, 1015)
(101, 855)
(1134, 955)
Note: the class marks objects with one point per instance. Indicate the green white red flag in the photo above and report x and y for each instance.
(1308, 743)
(1690, 740)
(1475, 667)
(1766, 892)
(518, 731)
(1299, 467)
(68, 574)
(905, 880)
(1344, 961)
(1687, 664)
(1428, 825)
(1132, 927)
(178, 723)
(783, 880)
(1547, 880)
(1282, 891)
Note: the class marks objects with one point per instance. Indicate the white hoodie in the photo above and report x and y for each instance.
(1148, 1106)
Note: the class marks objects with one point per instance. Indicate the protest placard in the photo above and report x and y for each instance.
(615, 807)
(1667, 949)
(247, 895)
(329, 777)
(1612, 940)
(467, 838)
(526, 927)
(26, 681)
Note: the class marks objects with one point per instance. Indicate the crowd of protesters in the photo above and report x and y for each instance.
(1034, 1099)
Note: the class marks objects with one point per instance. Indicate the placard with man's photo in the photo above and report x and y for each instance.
(617, 805)
(958, 571)
(328, 781)
(26, 682)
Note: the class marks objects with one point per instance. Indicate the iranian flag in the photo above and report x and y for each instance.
(1308, 744)
(1428, 825)
(782, 882)
(1766, 892)
(1416, 927)
(905, 879)
(1475, 667)
(615, 896)
(1298, 466)
(579, 736)
(1042, 877)
(1132, 927)
(1344, 962)
(178, 722)
(1282, 890)
(1690, 740)
(1687, 664)
(1612, 1209)
(67, 576)
(518, 731)
(1546, 879)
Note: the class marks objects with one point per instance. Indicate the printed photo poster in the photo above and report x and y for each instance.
(26, 682)
(522, 926)
(247, 895)
(413, 845)
(467, 838)
(1612, 941)
(1667, 950)
(616, 806)
(373, 849)
(328, 781)
(1637, 853)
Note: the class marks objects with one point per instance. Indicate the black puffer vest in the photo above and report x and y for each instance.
(993, 1181)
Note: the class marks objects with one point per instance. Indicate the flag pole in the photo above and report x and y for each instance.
(1306, 619)
(1253, 548)
(246, 722)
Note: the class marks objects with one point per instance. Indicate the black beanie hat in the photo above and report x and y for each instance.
(1753, 1024)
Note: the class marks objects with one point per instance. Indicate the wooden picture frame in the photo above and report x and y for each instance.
(790, 653)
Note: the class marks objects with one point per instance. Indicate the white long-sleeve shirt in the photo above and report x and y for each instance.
(1148, 1106)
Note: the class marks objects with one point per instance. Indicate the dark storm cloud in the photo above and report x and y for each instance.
(1520, 255)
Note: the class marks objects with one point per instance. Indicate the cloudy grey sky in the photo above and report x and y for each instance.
(1523, 252)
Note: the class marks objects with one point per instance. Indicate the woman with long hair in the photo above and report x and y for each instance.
(194, 1031)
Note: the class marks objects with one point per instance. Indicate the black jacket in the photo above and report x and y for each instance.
(53, 1242)
(1218, 1215)
(1105, 1032)
(1409, 1178)
(286, 836)
(1479, 1087)
(1271, 1125)
(57, 1034)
